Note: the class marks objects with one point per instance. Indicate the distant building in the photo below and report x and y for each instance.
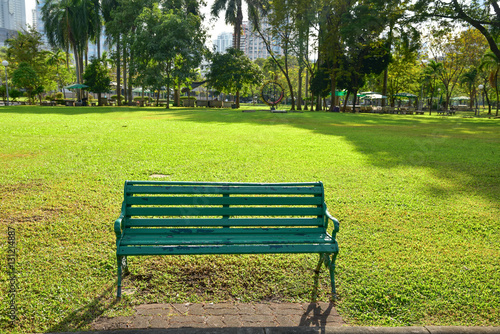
(223, 42)
(38, 25)
(12, 18)
(253, 45)
(12, 14)
(6, 34)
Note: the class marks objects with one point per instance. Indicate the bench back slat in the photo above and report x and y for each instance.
(240, 211)
(205, 204)
(236, 222)
(242, 230)
(202, 190)
(240, 200)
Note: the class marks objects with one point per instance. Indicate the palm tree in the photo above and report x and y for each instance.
(57, 58)
(67, 26)
(234, 16)
(491, 62)
(431, 73)
(469, 79)
(114, 37)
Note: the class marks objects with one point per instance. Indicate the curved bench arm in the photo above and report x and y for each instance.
(118, 224)
(336, 225)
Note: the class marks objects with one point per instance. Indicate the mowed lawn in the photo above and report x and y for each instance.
(418, 199)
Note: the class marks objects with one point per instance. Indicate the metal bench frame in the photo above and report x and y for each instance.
(187, 218)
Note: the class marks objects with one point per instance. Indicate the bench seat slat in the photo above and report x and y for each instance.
(197, 222)
(239, 211)
(243, 190)
(227, 249)
(197, 200)
(228, 239)
(223, 231)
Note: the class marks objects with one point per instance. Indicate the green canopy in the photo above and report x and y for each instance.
(76, 86)
(408, 95)
(460, 98)
(341, 93)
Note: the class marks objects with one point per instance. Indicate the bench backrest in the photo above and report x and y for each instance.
(215, 205)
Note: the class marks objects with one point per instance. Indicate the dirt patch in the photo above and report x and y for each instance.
(159, 176)
(17, 189)
(41, 215)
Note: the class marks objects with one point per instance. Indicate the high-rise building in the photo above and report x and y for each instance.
(12, 14)
(12, 18)
(223, 42)
(253, 45)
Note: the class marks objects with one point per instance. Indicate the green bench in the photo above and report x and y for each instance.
(185, 218)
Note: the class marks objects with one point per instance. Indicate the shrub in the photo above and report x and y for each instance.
(115, 97)
(59, 95)
(138, 98)
(14, 94)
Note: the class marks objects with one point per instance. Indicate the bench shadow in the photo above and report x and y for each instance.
(85, 315)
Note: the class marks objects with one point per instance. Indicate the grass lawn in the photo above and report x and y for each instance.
(417, 198)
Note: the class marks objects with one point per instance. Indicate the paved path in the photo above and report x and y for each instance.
(262, 318)
(225, 315)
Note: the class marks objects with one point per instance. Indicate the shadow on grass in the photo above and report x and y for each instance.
(441, 144)
(85, 315)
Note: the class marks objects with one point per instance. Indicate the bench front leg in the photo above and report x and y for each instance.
(119, 274)
(330, 264)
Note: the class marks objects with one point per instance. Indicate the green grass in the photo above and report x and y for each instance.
(417, 198)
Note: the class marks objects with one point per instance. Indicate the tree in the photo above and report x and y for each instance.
(432, 72)
(234, 15)
(277, 26)
(61, 73)
(469, 80)
(482, 15)
(168, 41)
(26, 48)
(113, 30)
(26, 77)
(230, 71)
(70, 24)
(446, 49)
(96, 77)
(403, 74)
(491, 63)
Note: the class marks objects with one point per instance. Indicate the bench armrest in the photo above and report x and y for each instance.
(118, 224)
(336, 225)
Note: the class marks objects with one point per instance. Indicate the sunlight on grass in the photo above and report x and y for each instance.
(417, 198)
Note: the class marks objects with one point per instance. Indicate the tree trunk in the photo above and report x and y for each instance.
(125, 83)
(345, 101)
(307, 91)
(384, 87)
(130, 76)
(355, 94)
(299, 93)
(118, 73)
(487, 99)
(333, 79)
(77, 69)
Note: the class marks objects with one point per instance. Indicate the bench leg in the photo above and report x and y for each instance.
(330, 264)
(119, 281)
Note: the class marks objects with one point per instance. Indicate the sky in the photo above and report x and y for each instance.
(215, 27)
